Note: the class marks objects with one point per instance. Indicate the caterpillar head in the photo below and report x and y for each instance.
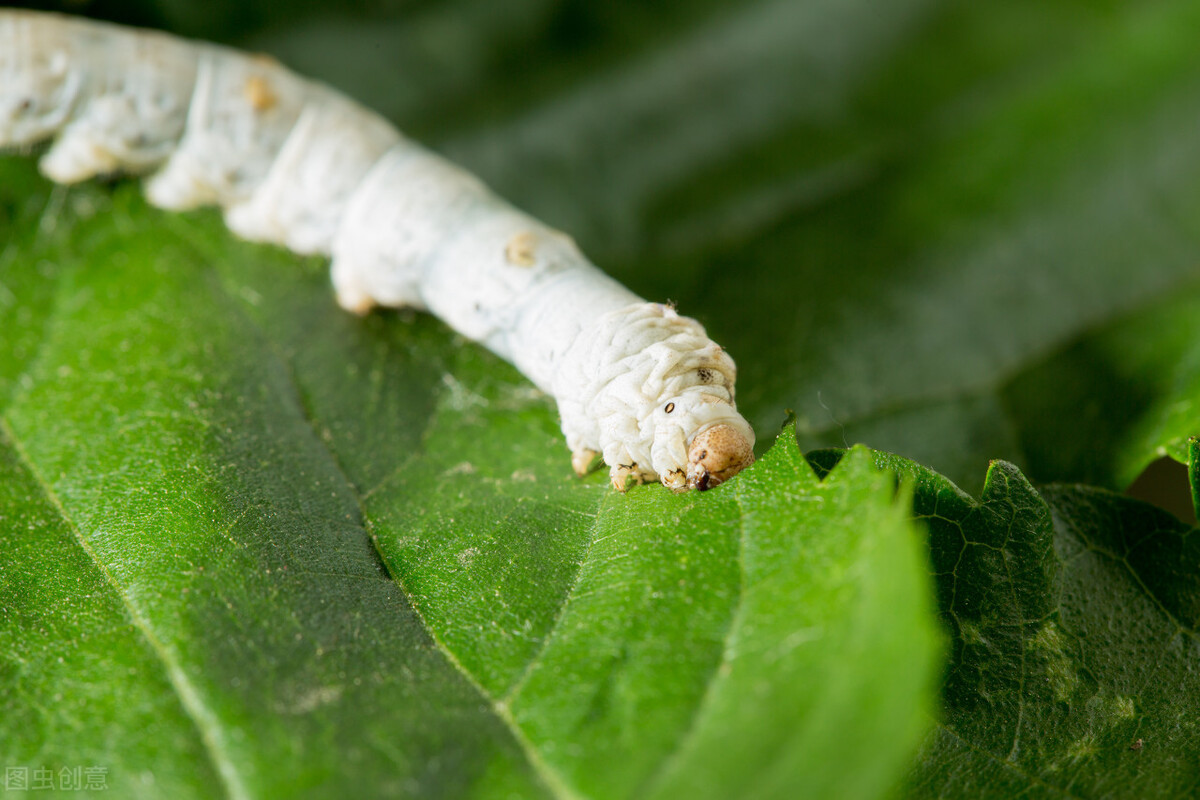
(649, 390)
(716, 455)
(700, 440)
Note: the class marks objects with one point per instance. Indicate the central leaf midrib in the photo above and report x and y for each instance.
(650, 785)
(552, 781)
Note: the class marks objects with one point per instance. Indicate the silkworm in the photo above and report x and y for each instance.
(293, 162)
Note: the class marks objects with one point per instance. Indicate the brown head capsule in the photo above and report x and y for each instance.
(716, 455)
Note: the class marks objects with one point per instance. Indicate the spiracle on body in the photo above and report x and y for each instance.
(294, 162)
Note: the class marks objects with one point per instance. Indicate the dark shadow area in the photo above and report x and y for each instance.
(1165, 484)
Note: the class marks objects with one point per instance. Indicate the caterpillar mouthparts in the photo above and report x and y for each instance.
(293, 162)
(716, 455)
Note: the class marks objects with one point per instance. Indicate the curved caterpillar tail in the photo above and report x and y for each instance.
(293, 162)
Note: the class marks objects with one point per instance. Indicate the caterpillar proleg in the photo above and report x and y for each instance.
(293, 162)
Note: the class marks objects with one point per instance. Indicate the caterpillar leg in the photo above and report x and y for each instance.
(350, 295)
(362, 281)
(622, 476)
(675, 480)
(624, 471)
(583, 460)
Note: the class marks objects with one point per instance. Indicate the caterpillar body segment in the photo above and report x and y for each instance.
(302, 200)
(129, 111)
(242, 110)
(293, 162)
(40, 81)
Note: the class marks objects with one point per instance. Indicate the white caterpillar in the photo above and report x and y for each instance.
(294, 162)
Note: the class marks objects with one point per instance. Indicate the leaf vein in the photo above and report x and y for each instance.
(654, 781)
(189, 697)
(550, 778)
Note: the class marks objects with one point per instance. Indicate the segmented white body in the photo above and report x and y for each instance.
(293, 162)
